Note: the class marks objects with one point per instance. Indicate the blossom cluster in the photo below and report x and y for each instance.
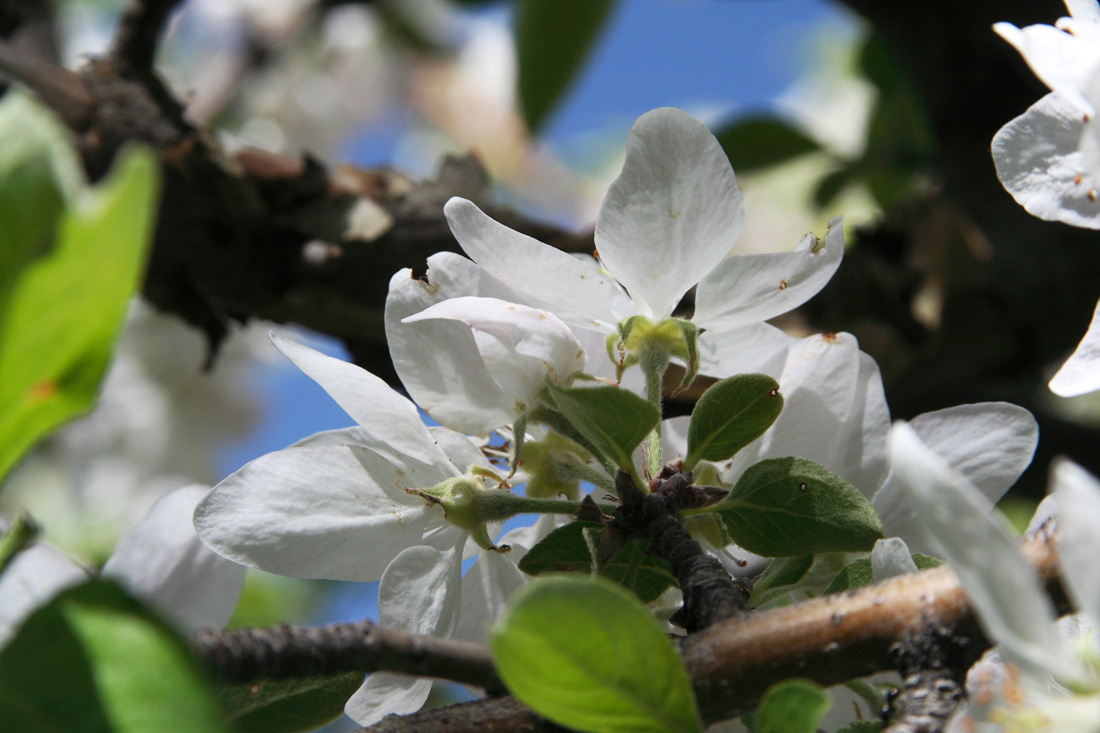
(501, 342)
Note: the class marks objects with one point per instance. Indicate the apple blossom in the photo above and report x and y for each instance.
(667, 224)
(1051, 683)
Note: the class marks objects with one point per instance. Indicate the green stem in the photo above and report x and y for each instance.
(572, 465)
(498, 505)
(654, 361)
(22, 532)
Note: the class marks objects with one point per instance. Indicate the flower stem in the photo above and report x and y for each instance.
(654, 361)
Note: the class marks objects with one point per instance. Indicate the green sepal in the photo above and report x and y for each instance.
(794, 506)
(731, 414)
(687, 349)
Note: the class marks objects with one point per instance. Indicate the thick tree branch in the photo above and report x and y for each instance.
(285, 651)
(933, 665)
(138, 31)
(829, 640)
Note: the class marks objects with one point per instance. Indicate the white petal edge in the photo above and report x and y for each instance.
(990, 443)
(31, 579)
(520, 346)
(1078, 496)
(438, 360)
(1039, 162)
(752, 288)
(419, 594)
(391, 421)
(1061, 60)
(1011, 604)
(162, 561)
(1081, 372)
(546, 277)
(335, 513)
(674, 212)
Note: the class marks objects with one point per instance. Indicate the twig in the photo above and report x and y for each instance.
(499, 715)
(286, 651)
(135, 43)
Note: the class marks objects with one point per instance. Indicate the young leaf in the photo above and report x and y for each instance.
(793, 506)
(780, 577)
(612, 419)
(792, 706)
(565, 550)
(553, 38)
(762, 141)
(585, 654)
(65, 300)
(858, 573)
(281, 706)
(730, 415)
(96, 659)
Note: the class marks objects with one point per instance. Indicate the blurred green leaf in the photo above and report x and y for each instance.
(761, 142)
(584, 653)
(731, 414)
(792, 706)
(793, 506)
(70, 269)
(858, 573)
(862, 726)
(94, 659)
(282, 706)
(553, 39)
(780, 577)
(566, 550)
(612, 419)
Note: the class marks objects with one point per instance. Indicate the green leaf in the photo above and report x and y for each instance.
(66, 304)
(585, 654)
(565, 550)
(731, 414)
(862, 726)
(553, 39)
(612, 419)
(792, 706)
(94, 659)
(793, 506)
(763, 141)
(781, 577)
(858, 573)
(280, 706)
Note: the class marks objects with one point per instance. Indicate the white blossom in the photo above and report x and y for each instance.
(667, 224)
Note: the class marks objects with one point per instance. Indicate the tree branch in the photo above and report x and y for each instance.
(286, 651)
(135, 40)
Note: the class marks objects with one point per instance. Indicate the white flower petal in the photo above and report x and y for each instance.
(834, 412)
(673, 213)
(1085, 10)
(747, 289)
(419, 593)
(520, 346)
(990, 443)
(1039, 163)
(1010, 602)
(757, 349)
(390, 422)
(338, 513)
(387, 693)
(1081, 372)
(1078, 494)
(438, 360)
(486, 590)
(546, 277)
(31, 579)
(1061, 60)
(162, 561)
(891, 557)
